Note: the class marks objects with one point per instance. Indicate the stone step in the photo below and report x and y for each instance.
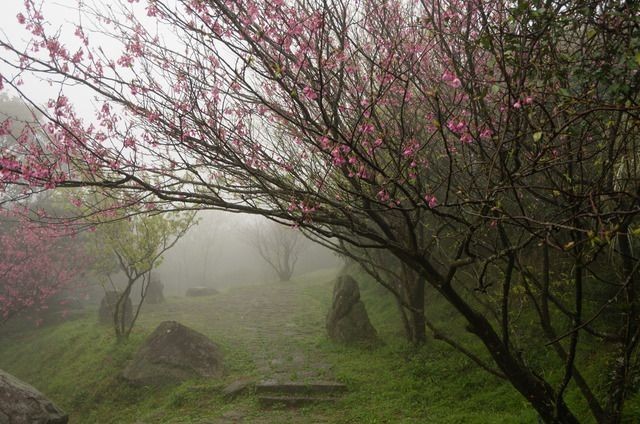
(292, 401)
(294, 387)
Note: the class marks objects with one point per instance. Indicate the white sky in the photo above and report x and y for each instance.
(56, 11)
(61, 16)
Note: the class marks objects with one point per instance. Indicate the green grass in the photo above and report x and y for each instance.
(399, 383)
(77, 364)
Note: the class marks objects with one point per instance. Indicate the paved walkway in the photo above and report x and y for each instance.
(278, 325)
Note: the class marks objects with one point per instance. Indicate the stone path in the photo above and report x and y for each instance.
(283, 349)
(279, 326)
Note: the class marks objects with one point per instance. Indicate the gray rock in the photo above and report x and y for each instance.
(201, 291)
(108, 305)
(238, 387)
(171, 354)
(347, 320)
(20, 403)
(155, 290)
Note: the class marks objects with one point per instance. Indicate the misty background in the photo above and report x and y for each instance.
(220, 251)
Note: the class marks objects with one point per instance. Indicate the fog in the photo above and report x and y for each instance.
(220, 252)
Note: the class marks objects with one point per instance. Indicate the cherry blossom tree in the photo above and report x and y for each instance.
(37, 262)
(488, 145)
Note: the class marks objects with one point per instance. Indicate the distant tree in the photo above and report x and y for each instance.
(279, 246)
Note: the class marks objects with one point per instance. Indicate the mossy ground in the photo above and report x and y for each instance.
(77, 364)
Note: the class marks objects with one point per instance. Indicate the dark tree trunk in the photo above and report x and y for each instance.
(413, 318)
(622, 373)
(537, 391)
(419, 334)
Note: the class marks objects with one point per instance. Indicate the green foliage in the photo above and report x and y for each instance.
(137, 242)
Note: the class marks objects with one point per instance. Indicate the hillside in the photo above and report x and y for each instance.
(271, 330)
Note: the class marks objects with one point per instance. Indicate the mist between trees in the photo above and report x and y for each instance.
(222, 251)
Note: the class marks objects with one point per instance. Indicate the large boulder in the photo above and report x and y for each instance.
(347, 320)
(171, 354)
(155, 290)
(108, 306)
(20, 403)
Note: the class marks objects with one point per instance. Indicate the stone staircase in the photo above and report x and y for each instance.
(296, 394)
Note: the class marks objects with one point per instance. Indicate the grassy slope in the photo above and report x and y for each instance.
(77, 365)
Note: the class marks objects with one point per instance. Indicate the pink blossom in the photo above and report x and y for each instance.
(486, 133)
(56, 49)
(37, 262)
(125, 61)
(431, 200)
(411, 148)
(21, 18)
(152, 10)
(383, 195)
(451, 80)
(456, 127)
(324, 142)
(5, 127)
(517, 105)
(77, 58)
(338, 159)
(252, 10)
(152, 117)
(362, 173)
(367, 128)
(309, 93)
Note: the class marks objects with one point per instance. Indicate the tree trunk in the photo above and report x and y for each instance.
(536, 390)
(418, 326)
(413, 318)
(120, 314)
(622, 374)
